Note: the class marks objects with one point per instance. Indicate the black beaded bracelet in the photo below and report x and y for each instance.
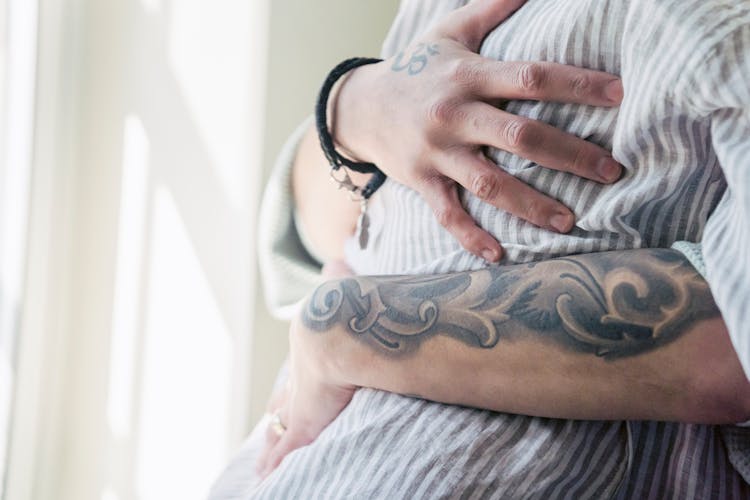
(335, 159)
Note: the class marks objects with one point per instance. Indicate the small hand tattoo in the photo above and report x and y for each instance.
(418, 59)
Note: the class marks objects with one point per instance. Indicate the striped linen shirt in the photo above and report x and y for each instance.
(683, 135)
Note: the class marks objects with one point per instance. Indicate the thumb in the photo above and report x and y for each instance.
(470, 24)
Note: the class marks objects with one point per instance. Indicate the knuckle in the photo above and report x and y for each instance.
(581, 85)
(465, 72)
(441, 112)
(531, 78)
(533, 211)
(419, 168)
(486, 187)
(446, 216)
(580, 161)
(519, 134)
(471, 240)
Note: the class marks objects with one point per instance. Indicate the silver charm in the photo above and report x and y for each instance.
(355, 194)
(345, 182)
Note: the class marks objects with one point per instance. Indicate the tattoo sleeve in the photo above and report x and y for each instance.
(612, 304)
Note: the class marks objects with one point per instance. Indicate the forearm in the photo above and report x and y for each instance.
(327, 213)
(620, 335)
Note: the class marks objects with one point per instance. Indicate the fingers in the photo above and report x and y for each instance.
(289, 442)
(538, 142)
(272, 439)
(442, 195)
(542, 81)
(491, 184)
(471, 24)
(278, 446)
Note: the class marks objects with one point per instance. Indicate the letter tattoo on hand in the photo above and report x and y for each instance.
(418, 60)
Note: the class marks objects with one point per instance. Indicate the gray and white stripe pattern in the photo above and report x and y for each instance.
(391, 446)
(683, 127)
(656, 131)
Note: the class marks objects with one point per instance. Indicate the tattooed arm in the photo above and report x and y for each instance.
(617, 335)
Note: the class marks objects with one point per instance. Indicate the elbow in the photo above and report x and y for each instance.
(738, 408)
(718, 387)
(731, 404)
(743, 415)
(722, 396)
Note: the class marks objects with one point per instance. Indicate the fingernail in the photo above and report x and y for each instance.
(614, 91)
(562, 222)
(489, 255)
(608, 169)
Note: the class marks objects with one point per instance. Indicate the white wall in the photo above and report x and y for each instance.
(146, 354)
(17, 82)
(138, 310)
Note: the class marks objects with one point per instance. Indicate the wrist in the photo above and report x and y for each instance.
(351, 113)
(318, 351)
